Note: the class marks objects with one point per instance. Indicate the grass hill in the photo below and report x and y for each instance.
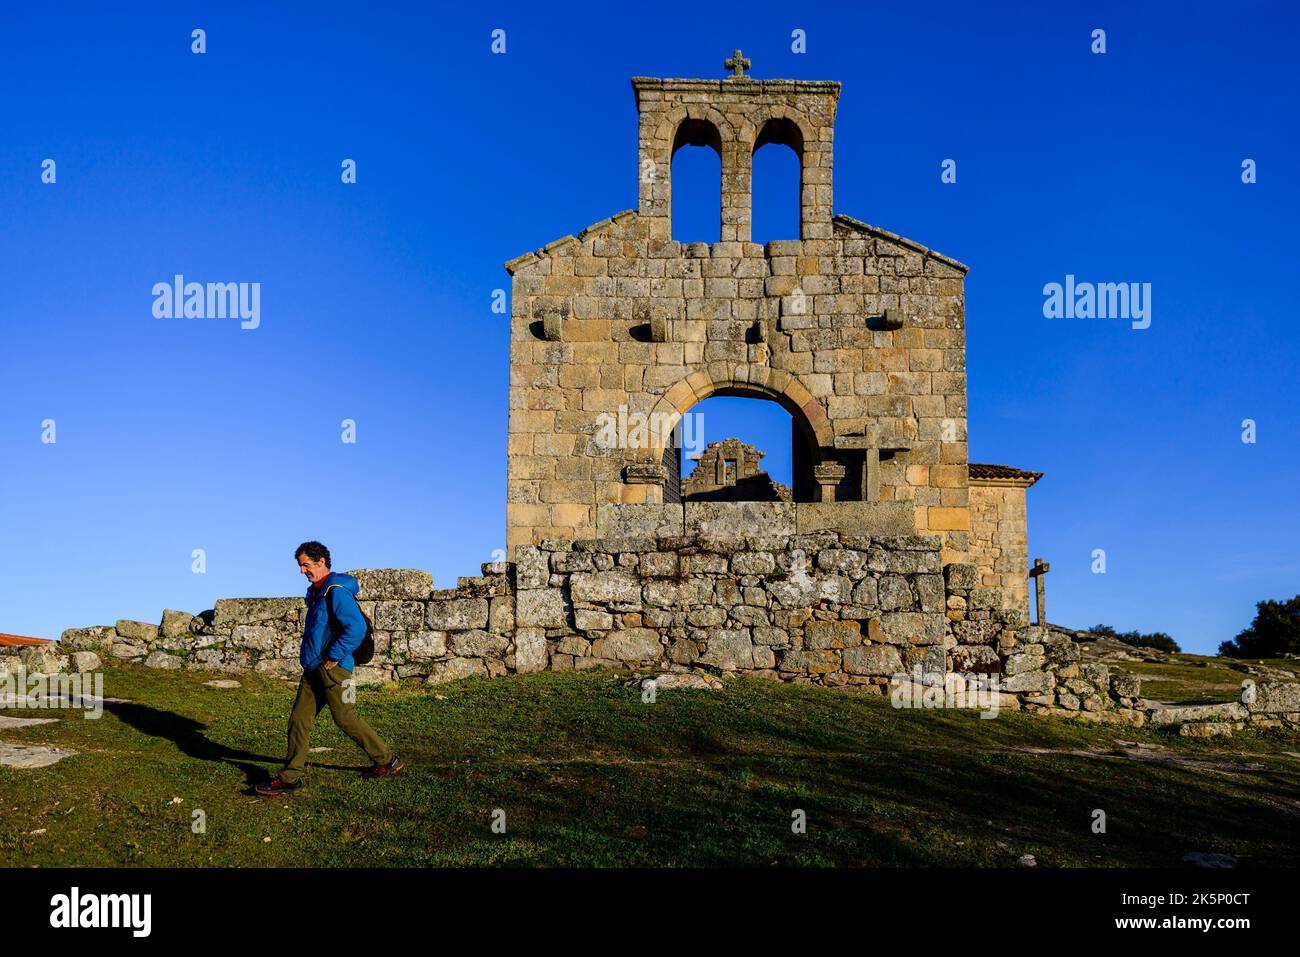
(588, 774)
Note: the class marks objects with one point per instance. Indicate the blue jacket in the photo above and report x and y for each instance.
(325, 640)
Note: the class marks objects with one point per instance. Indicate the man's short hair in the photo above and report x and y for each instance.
(313, 550)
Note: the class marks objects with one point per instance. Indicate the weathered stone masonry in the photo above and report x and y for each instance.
(858, 333)
(797, 601)
(999, 542)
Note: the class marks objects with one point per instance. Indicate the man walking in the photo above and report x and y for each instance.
(333, 629)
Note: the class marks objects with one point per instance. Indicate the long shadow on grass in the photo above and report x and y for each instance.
(190, 738)
(880, 786)
(904, 809)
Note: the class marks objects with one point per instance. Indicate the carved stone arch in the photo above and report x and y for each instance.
(811, 424)
(669, 123)
(780, 124)
(754, 125)
(694, 124)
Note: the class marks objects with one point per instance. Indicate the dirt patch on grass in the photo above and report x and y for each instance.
(1150, 754)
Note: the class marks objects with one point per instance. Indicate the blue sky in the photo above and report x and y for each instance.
(174, 435)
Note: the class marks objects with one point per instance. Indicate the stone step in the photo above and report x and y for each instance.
(8, 722)
(1161, 714)
(31, 756)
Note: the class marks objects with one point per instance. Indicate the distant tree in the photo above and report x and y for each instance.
(1156, 639)
(1274, 632)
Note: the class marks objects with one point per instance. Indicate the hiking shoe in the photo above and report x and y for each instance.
(277, 786)
(385, 770)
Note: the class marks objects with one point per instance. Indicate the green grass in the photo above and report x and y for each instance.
(587, 774)
(1289, 664)
(1195, 679)
(1178, 682)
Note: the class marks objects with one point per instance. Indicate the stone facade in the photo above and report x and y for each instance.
(825, 607)
(857, 332)
(860, 334)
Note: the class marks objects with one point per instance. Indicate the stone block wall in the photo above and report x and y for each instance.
(760, 589)
(824, 608)
(436, 635)
(753, 588)
(857, 332)
(999, 540)
(788, 322)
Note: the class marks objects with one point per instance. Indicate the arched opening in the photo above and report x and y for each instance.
(776, 178)
(696, 179)
(741, 446)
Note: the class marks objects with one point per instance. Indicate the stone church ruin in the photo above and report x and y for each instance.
(728, 471)
(889, 554)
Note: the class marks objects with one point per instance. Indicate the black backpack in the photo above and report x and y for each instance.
(366, 650)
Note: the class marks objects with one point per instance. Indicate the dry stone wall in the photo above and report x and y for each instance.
(748, 588)
(704, 593)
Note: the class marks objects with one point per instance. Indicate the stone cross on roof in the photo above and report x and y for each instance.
(737, 64)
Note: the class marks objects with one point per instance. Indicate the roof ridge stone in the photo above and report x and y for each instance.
(912, 244)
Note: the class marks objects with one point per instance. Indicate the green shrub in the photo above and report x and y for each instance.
(1156, 639)
(1274, 632)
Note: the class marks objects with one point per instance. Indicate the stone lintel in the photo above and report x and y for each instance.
(889, 518)
(645, 473)
(639, 521)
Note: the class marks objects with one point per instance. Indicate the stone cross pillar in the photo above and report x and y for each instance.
(868, 443)
(1040, 569)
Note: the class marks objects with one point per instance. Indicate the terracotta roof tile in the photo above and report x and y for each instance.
(1005, 472)
(20, 640)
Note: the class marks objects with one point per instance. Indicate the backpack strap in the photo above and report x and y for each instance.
(326, 597)
(330, 611)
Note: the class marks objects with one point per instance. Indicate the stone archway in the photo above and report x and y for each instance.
(813, 434)
(692, 124)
